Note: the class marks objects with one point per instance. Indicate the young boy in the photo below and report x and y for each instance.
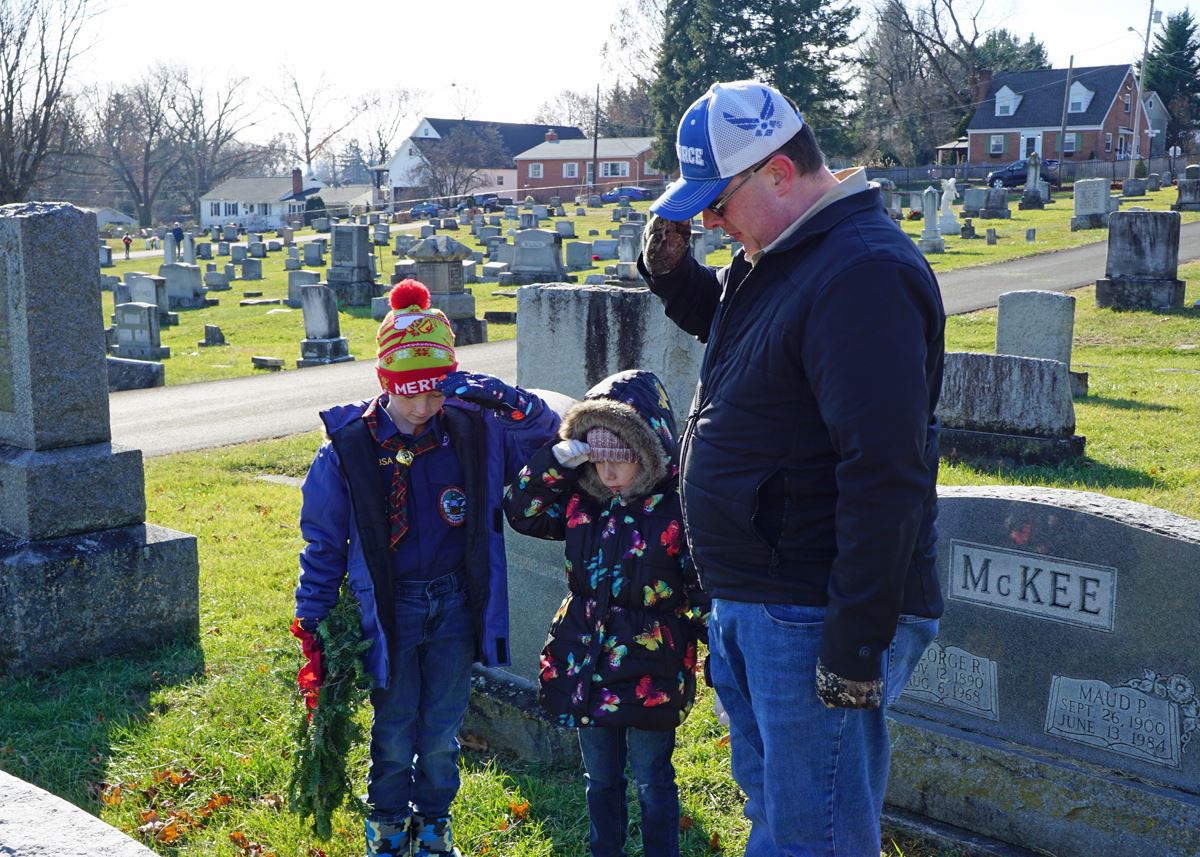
(405, 499)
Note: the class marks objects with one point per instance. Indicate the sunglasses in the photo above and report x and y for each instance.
(719, 205)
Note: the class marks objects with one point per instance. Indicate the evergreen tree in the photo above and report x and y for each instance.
(1002, 51)
(1173, 71)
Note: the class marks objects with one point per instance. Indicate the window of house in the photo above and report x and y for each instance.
(264, 208)
(1108, 141)
(1080, 98)
(499, 181)
(231, 209)
(571, 170)
(535, 171)
(996, 144)
(1003, 108)
(614, 169)
(412, 151)
(649, 169)
(1007, 102)
(1069, 143)
(1128, 101)
(214, 209)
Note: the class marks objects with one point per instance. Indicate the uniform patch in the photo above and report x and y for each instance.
(452, 503)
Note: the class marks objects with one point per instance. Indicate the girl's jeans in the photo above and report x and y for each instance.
(814, 777)
(605, 752)
(414, 744)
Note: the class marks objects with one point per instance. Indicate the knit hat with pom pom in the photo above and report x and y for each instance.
(416, 343)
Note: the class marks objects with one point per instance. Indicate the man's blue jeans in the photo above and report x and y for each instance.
(605, 752)
(814, 777)
(414, 744)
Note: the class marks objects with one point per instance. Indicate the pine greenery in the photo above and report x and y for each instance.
(1173, 71)
(319, 782)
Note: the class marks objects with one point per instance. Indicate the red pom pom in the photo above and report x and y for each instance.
(408, 292)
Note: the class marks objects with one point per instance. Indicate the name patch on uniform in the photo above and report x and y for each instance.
(452, 503)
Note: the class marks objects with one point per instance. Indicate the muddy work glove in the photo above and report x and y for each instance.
(488, 391)
(837, 692)
(665, 243)
(571, 453)
(312, 673)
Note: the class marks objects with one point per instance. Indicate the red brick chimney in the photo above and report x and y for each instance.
(297, 182)
(551, 135)
(982, 84)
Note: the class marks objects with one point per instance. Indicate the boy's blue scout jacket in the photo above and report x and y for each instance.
(344, 521)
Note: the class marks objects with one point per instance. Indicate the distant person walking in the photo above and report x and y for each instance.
(126, 239)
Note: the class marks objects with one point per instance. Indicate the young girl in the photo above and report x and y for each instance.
(620, 660)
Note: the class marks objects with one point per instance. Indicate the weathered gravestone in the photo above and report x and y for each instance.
(537, 258)
(299, 278)
(931, 240)
(1154, 182)
(579, 255)
(349, 273)
(1033, 323)
(439, 265)
(594, 331)
(81, 575)
(230, 232)
(1133, 187)
(996, 407)
(252, 269)
(213, 337)
(974, 200)
(185, 286)
(1143, 261)
(238, 253)
(313, 253)
(106, 257)
(1058, 708)
(1188, 190)
(1032, 197)
(137, 332)
(148, 289)
(323, 341)
(997, 205)
(1091, 204)
(565, 228)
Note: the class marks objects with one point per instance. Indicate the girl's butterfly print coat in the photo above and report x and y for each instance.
(622, 648)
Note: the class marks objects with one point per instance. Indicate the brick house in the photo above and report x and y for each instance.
(1021, 112)
(558, 167)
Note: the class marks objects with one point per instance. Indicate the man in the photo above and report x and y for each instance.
(809, 460)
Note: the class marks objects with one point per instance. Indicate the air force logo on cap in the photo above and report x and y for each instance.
(729, 129)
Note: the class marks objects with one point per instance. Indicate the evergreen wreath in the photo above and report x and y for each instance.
(319, 782)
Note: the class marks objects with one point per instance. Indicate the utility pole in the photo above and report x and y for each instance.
(1138, 107)
(595, 144)
(1062, 133)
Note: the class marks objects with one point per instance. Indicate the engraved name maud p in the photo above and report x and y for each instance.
(1047, 587)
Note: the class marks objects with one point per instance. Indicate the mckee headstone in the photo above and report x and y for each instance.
(931, 240)
(349, 273)
(1091, 204)
(1143, 262)
(1188, 190)
(1057, 710)
(323, 341)
(594, 331)
(81, 575)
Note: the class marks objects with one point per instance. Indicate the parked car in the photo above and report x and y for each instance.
(635, 194)
(486, 201)
(1014, 174)
(422, 210)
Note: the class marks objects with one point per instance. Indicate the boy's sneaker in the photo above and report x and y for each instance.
(432, 837)
(388, 839)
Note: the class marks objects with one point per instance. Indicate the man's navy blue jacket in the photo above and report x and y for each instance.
(810, 455)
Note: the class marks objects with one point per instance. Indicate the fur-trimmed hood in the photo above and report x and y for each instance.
(633, 404)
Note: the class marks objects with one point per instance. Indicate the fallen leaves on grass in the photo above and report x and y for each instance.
(520, 810)
(245, 846)
(714, 842)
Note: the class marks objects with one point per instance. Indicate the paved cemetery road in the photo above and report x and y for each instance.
(977, 288)
(217, 413)
(162, 420)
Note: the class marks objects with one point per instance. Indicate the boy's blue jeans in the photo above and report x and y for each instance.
(814, 777)
(605, 752)
(414, 744)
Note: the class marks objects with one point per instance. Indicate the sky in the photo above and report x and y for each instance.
(492, 60)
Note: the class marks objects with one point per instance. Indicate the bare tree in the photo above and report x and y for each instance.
(207, 123)
(634, 40)
(457, 164)
(305, 110)
(134, 139)
(38, 41)
(384, 115)
(577, 109)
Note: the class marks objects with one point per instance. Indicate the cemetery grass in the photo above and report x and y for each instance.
(1141, 416)
(192, 743)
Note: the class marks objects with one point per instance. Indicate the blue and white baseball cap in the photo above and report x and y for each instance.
(729, 129)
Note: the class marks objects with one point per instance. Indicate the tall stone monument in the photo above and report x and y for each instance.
(931, 240)
(439, 265)
(82, 575)
(1143, 262)
(349, 273)
(323, 341)
(1032, 198)
(948, 220)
